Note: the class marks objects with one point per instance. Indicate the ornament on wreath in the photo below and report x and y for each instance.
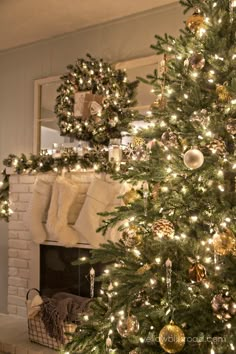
(224, 243)
(231, 126)
(131, 236)
(131, 196)
(217, 146)
(224, 306)
(138, 141)
(163, 228)
(128, 326)
(197, 61)
(193, 159)
(169, 138)
(172, 338)
(197, 272)
(195, 22)
(223, 93)
(90, 95)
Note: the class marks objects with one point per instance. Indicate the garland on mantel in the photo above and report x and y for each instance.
(94, 101)
(95, 159)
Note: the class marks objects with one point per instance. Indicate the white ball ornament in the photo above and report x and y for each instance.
(193, 159)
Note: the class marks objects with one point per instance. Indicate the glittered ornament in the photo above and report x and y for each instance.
(138, 141)
(131, 236)
(222, 93)
(193, 159)
(128, 326)
(224, 307)
(217, 146)
(159, 103)
(199, 117)
(231, 126)
(197, 61)
(163, 228)
(172, 338)
(197, 272)
(195, 22)
(143, 269)
(131, 196)
(224, 243)
(169, 138)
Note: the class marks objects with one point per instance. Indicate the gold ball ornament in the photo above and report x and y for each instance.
(131, 196)
(197, 61)
(224, 243)
(193, 159)
(195, 22)
(128, 326)
(222, 93)
(172, 338)
(163, 228)
(197, 272)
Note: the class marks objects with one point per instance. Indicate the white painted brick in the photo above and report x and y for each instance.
(22, 292)
(18, 282)
(20, 188)
(27, 179)
(12, 309)
(14, 216)
(25, 197)
(19, 244)
(14, 197)
(13, 271)
(24, 273)
(19, 206)
(14, 179)
(12, 235)
(13, 253)
(18, 263)
(24, 254)
(24, 235)
(21, 311)
(17, 225)
(16, 300)
(12, 290)
(31, 188)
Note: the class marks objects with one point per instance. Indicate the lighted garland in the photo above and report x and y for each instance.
(96, 159)
(103, 111)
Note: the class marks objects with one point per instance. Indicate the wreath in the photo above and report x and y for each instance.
(94, 101)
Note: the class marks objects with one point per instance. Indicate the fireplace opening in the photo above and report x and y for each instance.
(57, 274)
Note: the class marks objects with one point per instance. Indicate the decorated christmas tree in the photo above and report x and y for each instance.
(170, 282)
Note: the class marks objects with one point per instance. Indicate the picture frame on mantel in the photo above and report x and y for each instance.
(46, 131)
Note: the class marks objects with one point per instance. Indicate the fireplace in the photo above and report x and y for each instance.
(58, 274)
(28, 265)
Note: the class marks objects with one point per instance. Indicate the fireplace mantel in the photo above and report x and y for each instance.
(23, 254)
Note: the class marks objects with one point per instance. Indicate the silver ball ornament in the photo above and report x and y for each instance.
(193, 159)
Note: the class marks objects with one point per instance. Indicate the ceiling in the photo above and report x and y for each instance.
(27, 21)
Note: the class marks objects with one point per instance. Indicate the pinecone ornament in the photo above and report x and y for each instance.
(231, 126)
(163, 228)
(217, 146)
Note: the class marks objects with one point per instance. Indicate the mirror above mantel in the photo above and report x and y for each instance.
(46, 131)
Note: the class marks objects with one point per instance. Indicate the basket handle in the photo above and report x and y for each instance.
(28, 292)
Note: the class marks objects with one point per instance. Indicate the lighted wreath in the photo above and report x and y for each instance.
(94, 101)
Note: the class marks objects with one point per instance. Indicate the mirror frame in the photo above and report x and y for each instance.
(128, 64)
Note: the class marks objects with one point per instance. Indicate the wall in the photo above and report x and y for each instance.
(116, 41)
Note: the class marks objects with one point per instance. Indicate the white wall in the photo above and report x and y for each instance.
(120, 40)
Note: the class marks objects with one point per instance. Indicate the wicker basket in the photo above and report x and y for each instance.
(37, 331)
